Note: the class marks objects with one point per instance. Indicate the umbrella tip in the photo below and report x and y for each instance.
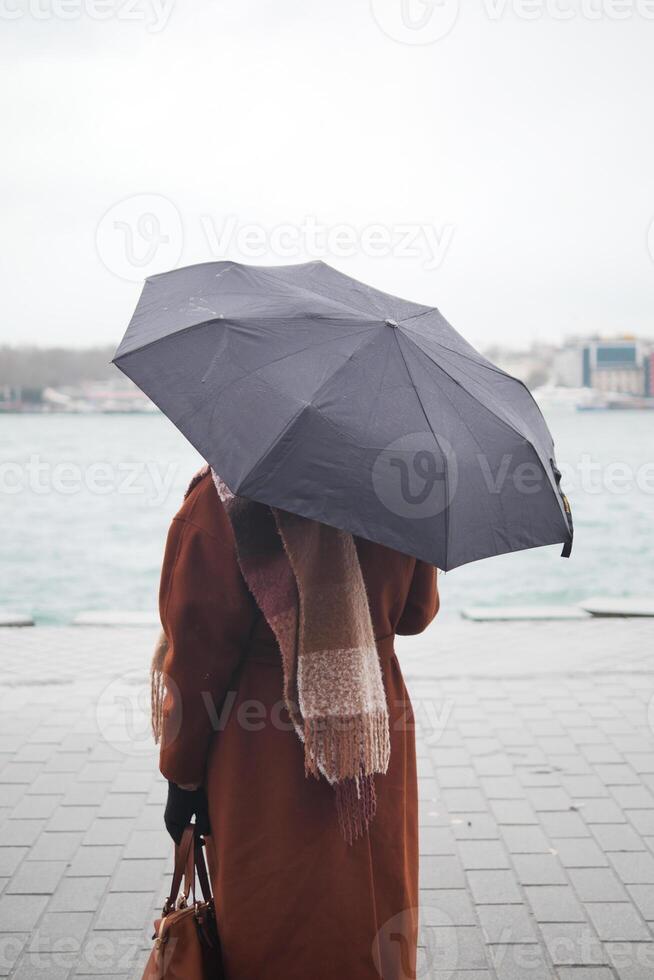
(390, 323)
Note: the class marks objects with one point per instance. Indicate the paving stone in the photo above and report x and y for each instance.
(643, 821)
(457, 777)
(105, 831)
(36, 878)
(554, 903)
(597, 885)
(525, 840)
(568, 824)
(579, 853)
(441, 872)
(86, 794)
(483, 855)
(79, 894)
(617, 921)
(139, 876)
(55, 847)
(601, 811)
(72, 818)
(643, 896)
(20, 772)
(433, 840)
(11, 794)
(133, 782)
(120, 910)
(539, 869)
(617, 837)
(617, 775)
(520, 962)
(20, 913)
(458, 947)
(51, 783)
(573, 944)
(60, 932)
(147, 844)
(633, 797)
(35, 807)
(506, 924)
(11, 946)
(494, 887)
(549, 799)
(446, 907)
(464, 801)
(91, 861)
(10, 858)
(44, 966)
(586, 973)
(632, 961)
(513, 812)
(633, 868)
(21, 833)
(475, 826)
(584, 787)
(502, 788)
(123, 805)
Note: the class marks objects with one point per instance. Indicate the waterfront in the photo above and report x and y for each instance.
(86, 501)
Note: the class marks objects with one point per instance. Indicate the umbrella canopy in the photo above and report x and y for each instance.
(315, 393)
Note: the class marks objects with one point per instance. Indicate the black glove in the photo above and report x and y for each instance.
(181, 805)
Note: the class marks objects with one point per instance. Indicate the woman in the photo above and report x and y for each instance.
(303, 887)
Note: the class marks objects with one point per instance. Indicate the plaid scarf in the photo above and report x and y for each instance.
(306, 579)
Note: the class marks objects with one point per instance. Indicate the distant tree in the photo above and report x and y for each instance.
(40, 367)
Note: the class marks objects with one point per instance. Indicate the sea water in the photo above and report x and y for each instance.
(86, 501)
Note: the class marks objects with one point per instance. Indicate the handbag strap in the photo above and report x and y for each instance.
(202, 869)
(189, 858)
(183, 851)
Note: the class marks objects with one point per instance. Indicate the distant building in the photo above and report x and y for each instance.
(649, 375)
(615, 365)
(567, 366)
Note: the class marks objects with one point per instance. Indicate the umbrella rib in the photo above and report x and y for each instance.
(431, 429)
(491, 367)
(472, 435)
(530, 441)
(313, 292)
(303, 408)
(284, 357)
(216, 319)
(488, 408)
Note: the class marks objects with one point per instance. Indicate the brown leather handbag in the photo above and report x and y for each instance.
(186, 944)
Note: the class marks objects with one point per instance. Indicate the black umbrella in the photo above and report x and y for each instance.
(315, 393)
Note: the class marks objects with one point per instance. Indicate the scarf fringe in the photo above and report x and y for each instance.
(346, 748)
(356, 806)
(158, 686)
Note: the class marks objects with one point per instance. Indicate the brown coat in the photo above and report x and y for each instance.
(293, 900)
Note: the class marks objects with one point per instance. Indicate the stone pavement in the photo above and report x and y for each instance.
(536, 782)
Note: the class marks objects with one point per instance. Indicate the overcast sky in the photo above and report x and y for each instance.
(495, 161)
